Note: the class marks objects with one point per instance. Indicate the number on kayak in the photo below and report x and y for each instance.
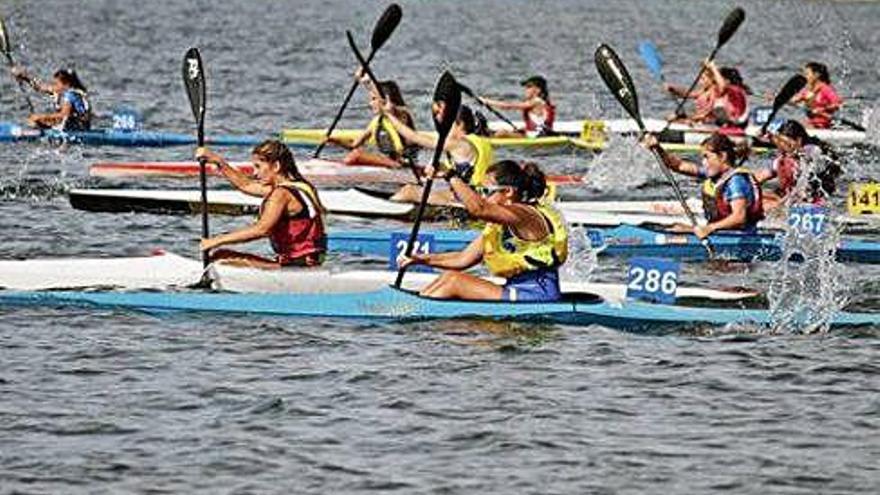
(808, 219)
(863, 198)
(397, 247)
(127, 119)
(652, 279)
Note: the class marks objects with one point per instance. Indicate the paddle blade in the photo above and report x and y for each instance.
(194, 80)
(447, 92)
(618, 80)
(385, 26)
(4, 38)
(466, 90)
(734, 19)
(792, 87)
(652, 59)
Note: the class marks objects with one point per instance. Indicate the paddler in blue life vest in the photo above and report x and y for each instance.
(467, 152)
(524, 240)
(73, 111)
(731, 195)
(394, 151)
(291, 215)
(538, 112)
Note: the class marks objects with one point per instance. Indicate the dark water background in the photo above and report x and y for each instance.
(112, 402)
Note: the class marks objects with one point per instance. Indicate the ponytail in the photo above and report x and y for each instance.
(528, 180)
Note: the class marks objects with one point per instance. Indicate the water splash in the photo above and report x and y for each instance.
(871, 121)
(805, 292)
(582, 257)
(622, 166)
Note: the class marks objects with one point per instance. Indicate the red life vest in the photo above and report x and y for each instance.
(301, 236)
(786, 168)
(541, 128)
(716, 206)
(734, 105)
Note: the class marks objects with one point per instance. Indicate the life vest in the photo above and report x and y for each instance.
(385, 137)
(80, 118)
(732, 111)
(786, 168)
(303, 234)
(716, 207)
(537, 127)
(820, 100)
(506, 255)
(475, 171)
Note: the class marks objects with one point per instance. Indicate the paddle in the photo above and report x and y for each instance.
(384, 27)
(194, 81)
(731, 24)
(651, 56)
(466, 90)
(369, 72)
(448, 92)
(791, 87)
(7, 52)
(619, 82)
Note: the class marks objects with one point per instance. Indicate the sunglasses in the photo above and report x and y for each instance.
(489, 190)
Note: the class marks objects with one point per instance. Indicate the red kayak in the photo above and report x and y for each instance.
(318, 171)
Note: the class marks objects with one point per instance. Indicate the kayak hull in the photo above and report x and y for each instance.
(391, 304)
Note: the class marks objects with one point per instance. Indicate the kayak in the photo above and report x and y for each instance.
(316, 170)
(164, 270)
(311, 137)
(10, 132)
(391, 304)
(619, 241)
(346, 202)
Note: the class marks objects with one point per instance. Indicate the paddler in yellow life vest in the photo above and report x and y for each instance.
(394, 151)
(731, 195)
(524, 240)
(467, 152)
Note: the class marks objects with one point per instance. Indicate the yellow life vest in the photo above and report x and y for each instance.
(506, 255)
(392, 144)
(484, 159)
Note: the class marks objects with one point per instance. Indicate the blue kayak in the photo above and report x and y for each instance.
(10, 132)
(623, 240)
(392, 304)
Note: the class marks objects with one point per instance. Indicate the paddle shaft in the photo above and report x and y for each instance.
(684, 98)
(420, 213)
(24, 91)
(466, 90)
(345, 102)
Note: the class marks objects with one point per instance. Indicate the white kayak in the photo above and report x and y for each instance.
(344, 202)
(164, 270)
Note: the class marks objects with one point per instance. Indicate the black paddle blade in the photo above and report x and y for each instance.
(618, 80)
(792, 87)
(466, 90)
(4, 38)
(447, 92)
(734, 19)
(194, 80)
(385, 26)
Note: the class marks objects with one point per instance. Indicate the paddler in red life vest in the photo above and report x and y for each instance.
(538, 112)
(394, 151)
(819, 97)
(794, 146)
(524, 241)
(73, 111)
(469, 153)
(731, 195)
(291, 215)
(704, 96)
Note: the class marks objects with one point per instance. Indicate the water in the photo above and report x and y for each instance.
(120, 402)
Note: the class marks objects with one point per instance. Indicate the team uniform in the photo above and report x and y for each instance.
(736, 183)
(299, 240)
(823, 99)
(80, 118)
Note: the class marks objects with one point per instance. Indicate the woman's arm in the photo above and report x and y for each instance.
(237, 178)
(459, 260)
(478, 207)
(276, 206)
(672, 162)
(510, 105)
(408, 134)
(736, 219)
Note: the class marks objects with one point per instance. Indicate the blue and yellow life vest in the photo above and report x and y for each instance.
(506, 255)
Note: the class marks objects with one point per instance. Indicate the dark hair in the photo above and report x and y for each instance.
(70, 78)
(823, 182)
(821, 71)
(273, 150)
(466, 118)
(392, 92)
(795, 130)
(528, 180)
(732, 76)
(719, 143)
(540, 83)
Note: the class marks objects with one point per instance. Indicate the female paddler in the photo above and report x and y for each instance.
(819, 97)
(795, 147)
(731, 195)
(467, 152)
(538, 112)
(394, 151)
(291, 215)
(524, 240)
(73, 112)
